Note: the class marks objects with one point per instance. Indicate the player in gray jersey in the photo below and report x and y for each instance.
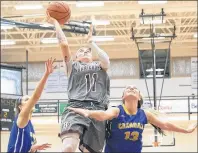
(88, 87)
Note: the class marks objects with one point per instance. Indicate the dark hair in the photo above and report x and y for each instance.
(17, 104)
(140, 102)
(157, 114)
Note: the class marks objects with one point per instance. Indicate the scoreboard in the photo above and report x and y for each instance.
(7, 113)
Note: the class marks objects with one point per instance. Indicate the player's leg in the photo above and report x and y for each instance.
(70, 142)
(85, 150)
(72, 128)
(94, 138)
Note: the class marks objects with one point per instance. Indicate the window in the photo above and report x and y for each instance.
(11, 80)
(147, 60)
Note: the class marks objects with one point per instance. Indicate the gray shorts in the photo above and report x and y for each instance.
(92, 132)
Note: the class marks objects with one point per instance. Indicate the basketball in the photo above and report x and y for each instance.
(60, 11)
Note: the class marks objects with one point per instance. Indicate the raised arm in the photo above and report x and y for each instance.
(99, 115)
(167, 125)
(102, 55)
(23, 117)
(63, 43)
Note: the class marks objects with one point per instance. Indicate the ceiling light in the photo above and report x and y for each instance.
(33, 15)
(152, 2)
(89, 4)
(158, 76)
(156, 41)
(154, 38)
(49, 40)
(103, 38)
(46, 25)
(151, 70)
(6, 26)
(163, 34)
(152, 21)
(100, 22)
(28, 7)
(8, 42)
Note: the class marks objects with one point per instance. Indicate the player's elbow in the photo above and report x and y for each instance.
(64, 44)
(108, 63)
(105, 64)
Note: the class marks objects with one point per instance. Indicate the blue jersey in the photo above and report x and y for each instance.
(21, 139)
(126, 132)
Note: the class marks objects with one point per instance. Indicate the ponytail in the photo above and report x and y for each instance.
(17, 104)
(157, 113)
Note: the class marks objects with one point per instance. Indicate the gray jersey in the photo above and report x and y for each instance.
(88, 82)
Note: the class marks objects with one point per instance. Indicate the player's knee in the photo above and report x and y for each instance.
(70, 142)
(68, 148)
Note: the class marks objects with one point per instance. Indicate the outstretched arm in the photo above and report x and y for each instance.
(63, 43)
(102, 55)
(167, 125)
(99, 115)
(23, 117)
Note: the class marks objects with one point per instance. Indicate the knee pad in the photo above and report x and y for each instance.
(70, 142)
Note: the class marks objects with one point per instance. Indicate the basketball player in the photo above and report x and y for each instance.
(22, 136)
(127, 122)
(88, 87)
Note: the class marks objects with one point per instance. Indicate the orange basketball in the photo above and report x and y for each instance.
(60, 11)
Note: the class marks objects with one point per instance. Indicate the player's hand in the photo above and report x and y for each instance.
(191, 128)
(50, 19)
(49, 68)
(84, 112)
(34, 148)
(89, 36)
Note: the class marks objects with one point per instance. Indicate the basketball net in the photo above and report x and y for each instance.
(158, 142)
(155, 144)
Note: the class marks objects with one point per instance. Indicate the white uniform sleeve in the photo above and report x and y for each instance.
(102, 55)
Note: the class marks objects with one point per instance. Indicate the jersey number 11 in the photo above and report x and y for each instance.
(91, 82)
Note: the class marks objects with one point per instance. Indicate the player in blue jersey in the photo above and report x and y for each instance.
(22, 136)
(127, 122)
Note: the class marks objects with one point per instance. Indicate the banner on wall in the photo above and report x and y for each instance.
(57, 81)
(46, 108)
(194, 75)
(173, 106)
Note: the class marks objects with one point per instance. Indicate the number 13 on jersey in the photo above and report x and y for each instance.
(131, 135)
